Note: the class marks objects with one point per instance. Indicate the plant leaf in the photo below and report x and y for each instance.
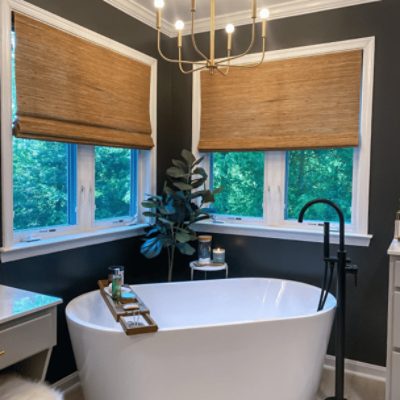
(200, 171)
(151, 247)
(176, 172)
(182, 186)
(186, 248)
(197, 162)
(149, 204)
(218, 190)
(184, 237)
(188, 157)
(149, 214)
(179, 164)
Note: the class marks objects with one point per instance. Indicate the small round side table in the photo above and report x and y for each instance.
(207, 268)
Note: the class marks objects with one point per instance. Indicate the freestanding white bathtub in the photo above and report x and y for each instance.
(232, 339)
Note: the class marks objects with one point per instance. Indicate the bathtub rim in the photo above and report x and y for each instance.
(331, 301)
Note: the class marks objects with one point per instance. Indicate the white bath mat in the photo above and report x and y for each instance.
(13, 387)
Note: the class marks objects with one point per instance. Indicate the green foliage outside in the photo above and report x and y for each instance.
(241, 174)
(319, 173)
(40, 183)
(113, 182)
(310, 174)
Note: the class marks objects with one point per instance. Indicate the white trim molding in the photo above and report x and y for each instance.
(273, 224)
(67, 384)
(285, 9)
(371, 371)
(50, 245)
(283, 233)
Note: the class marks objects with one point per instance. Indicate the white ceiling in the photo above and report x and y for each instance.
(180, 9)
(237, 12)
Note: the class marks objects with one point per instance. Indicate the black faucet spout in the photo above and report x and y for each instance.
(338, 211)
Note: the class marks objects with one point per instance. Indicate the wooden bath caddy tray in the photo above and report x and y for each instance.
(133, 322)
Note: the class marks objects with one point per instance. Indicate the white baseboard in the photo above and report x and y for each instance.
(68, 383)
(368, 371)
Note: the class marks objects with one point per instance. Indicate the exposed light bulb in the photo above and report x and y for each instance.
(230, 28)
(159, 4)
(264, 13)
(179, 25)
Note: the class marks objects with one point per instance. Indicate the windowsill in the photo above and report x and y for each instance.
(303, 235)
(52, 245)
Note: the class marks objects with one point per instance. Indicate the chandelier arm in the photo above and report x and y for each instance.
(190, 71)
(195, 46)
(173, 60)
(253, 37)
(229, 65)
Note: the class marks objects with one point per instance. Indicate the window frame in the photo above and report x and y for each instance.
(86, 230)
(274, 224)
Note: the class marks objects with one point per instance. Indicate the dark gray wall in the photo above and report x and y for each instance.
(73, 272)
(367, 304)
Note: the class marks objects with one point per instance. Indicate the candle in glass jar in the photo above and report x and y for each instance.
(219, 255)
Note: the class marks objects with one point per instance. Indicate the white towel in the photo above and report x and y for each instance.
(13, 387)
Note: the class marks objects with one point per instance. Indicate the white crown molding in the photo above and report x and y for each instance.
(142, 14)
(283, 10)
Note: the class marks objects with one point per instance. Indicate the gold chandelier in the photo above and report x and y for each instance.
(210, 63)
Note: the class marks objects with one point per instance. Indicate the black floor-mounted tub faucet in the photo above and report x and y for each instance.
(343, 267)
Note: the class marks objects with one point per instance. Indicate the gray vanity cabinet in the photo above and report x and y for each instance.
(393, 343)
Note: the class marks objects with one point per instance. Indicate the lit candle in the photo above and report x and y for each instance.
(230, 28)
(264, 15)
(159, 5)
(179, 25)
(219, 255)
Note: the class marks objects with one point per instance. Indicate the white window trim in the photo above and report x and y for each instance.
(85, 232)
(273, 225)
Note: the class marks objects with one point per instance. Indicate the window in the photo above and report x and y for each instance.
(309, 174)
(115, 182)
(265, 191)
(62, 194)
(241, 176)
(44, 183)
(319, 173)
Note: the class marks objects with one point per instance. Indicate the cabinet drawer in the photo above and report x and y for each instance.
(397, 273)
(24, 339)
(396, 320)
(394, 378)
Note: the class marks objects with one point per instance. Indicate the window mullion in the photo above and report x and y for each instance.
(275, 187)
(85, 201)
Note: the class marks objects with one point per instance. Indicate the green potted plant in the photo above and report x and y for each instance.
(181, 204)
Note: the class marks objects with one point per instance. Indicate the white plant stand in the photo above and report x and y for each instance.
(207, 268)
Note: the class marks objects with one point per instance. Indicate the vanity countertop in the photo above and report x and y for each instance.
(16, 303)
(394, 249)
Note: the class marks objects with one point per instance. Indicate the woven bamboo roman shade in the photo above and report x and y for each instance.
(71, 90)
(300, 103)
